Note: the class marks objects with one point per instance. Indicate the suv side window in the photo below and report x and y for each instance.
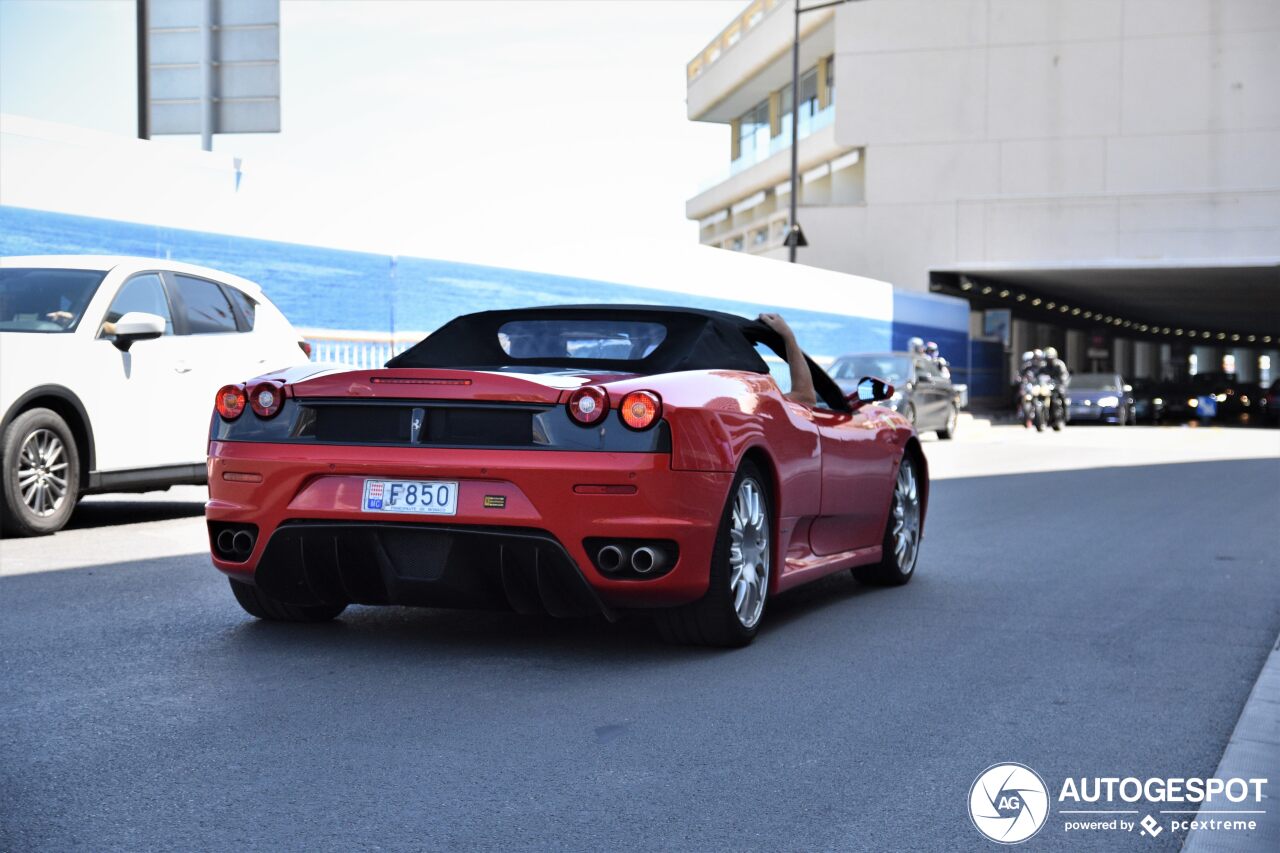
(141, 293)
(207, 309)
(244, 302)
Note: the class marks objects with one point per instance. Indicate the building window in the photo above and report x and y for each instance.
(753, 134)
(808, 105)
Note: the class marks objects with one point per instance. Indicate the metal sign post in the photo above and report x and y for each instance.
(211, 66)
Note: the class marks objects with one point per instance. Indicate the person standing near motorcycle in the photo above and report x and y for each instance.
(1027, 379)
(1057, 370)
(931, 351)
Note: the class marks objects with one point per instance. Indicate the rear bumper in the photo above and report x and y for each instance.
(1108, 414)
(435, 565)
(526, 554)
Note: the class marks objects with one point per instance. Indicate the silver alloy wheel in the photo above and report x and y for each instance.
(906, 518)
(42, 472)
(749, 553)
(952, 418)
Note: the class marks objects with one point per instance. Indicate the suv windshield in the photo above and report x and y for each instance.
(45, 300)
(1094, 382)
(894, 369)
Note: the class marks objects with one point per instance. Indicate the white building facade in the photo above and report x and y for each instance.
(1118, 160)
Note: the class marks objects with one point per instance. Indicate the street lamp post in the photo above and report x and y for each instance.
(795, 236)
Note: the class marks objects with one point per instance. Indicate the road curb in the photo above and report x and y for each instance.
(1252, 752)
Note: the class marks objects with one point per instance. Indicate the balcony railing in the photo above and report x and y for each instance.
(356, 349)
(731, 35)
(766, 147)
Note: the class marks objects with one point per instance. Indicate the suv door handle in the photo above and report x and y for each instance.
(181, 367)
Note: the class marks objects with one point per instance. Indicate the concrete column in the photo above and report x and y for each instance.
(1122, 356)
(1077, 343)
(735, 139)
(1246, 364)
(1268, 365)
(1144, 360)
(1206, 359)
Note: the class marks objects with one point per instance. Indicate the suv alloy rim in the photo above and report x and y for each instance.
(42, 472)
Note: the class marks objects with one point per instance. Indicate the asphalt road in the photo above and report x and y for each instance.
(1097, 622)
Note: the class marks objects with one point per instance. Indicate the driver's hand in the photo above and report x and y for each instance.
(62, 318)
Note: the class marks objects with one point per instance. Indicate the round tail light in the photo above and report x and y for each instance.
(265, 398)
(230, 401)
(640, 409)
(588, 405)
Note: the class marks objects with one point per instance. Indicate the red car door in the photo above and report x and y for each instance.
(858, 456)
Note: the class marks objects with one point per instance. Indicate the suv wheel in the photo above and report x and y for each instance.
(41, 474)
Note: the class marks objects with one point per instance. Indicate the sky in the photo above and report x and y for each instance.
(498, 132)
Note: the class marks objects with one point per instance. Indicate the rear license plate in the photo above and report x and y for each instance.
(417, 497)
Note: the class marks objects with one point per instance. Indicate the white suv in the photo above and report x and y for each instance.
(108, 370)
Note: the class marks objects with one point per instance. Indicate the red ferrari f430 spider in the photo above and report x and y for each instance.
(565, 460)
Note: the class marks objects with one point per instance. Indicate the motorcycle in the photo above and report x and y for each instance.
(1031, 405)
(1054, 402)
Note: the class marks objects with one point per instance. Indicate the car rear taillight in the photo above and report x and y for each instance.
(266, 397)
(230, 401)
(640, 409)
(588, 405)
(305, 346)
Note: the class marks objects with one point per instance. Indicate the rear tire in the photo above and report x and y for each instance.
(900, 548)
(41, 474)
(742, 560)
(257, 603)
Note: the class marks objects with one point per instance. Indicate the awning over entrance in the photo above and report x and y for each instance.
(1211, 301)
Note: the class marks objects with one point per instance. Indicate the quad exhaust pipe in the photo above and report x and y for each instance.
(610, 558)
(242, 543)
(646, 559)
(642, 560)
(234, 544)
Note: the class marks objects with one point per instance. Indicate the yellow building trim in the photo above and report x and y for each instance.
(824, 91)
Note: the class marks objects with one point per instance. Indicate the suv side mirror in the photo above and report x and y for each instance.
(870, 390)
(137, 326)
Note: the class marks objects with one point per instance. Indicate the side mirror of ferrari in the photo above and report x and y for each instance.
(870, 390)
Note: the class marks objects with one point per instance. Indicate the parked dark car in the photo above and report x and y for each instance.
(1148, 400)
(922, 392)
(1101, 398)
(1213, 396)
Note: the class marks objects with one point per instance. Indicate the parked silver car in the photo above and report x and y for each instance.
(922, 391)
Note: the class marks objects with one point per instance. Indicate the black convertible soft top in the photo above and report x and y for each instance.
(695, 339)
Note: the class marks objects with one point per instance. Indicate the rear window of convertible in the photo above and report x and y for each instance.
(584, 339)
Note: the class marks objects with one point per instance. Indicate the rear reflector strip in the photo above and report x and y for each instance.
(238, 477)
(395, 380)
(582, 489)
